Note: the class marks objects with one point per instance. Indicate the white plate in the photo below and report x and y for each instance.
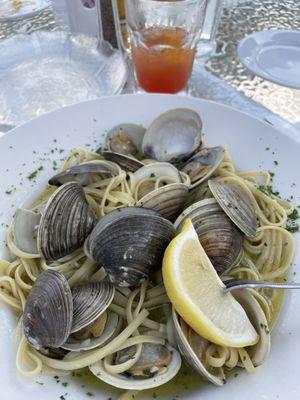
(273, 55)
(46, 70)
(16, 9)
(28, 147)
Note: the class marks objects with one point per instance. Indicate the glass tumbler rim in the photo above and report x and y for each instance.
(179, 3)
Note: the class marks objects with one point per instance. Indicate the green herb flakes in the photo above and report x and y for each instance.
(268, 190)
(292, 225)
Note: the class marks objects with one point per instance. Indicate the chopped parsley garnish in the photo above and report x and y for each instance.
(272, 174)
(90, 394)
(276, 162)
(291, 224)
(268, 190)
(10, 191)
(33, 175)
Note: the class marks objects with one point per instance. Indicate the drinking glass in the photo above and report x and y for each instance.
(163, 36)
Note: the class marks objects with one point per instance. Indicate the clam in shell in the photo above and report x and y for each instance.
(48, 312)
(137, 380)
(90, 300)
(198, 193)
(221, 240)
(93, 325)
(82, 173)
(154, 360)
(25, 225)
(203, 164)
(259, 352)
(174, 136)
(237, 204)
(129, 243)
(126, 162)
(125, 139)
(192, 348)
(169, 199)
(66, 222)
(89, 338)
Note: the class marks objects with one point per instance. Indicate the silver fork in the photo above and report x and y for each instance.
(235, 284)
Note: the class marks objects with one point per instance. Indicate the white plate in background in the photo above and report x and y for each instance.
(273, 55)
(253, 145)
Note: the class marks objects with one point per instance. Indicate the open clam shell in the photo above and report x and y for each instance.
(129, 243)
(126, 162)
(198, 193)
(195, 361)
(203, 164)
(259, 352)
(221, 240)
(168, 200)
(82, 173)
(48, 312)
(157, 170)
(90, 300)
(112, 327)
(25, 227)
(66, 222)
(174, 136)
(237, 204)
(125, 139)
(123, 381)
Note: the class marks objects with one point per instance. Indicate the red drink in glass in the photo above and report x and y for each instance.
(163, 63)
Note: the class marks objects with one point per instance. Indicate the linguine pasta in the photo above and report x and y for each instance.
(268, 256)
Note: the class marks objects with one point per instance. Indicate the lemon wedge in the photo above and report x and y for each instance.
(196, 292)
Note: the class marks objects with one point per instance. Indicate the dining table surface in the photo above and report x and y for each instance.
(221, 77)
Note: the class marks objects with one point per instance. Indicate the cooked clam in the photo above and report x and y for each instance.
(221, 240)
(97, 334)
(167, 200)
(125, 139)
(149, 371)
(170, 194)
(174, 136)
(198, 193)
(203, 164)
(48, 312)
(92, 330)
(154, 360)
(158, 170)
(66, 222)
(126, 162)
(82, 173)
(192, 348)
(260, 351)
(90, 301)
(57, 353)
(25, 227)
(237, 204)
(129, 243)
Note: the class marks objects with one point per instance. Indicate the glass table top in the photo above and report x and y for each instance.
(239, 18)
